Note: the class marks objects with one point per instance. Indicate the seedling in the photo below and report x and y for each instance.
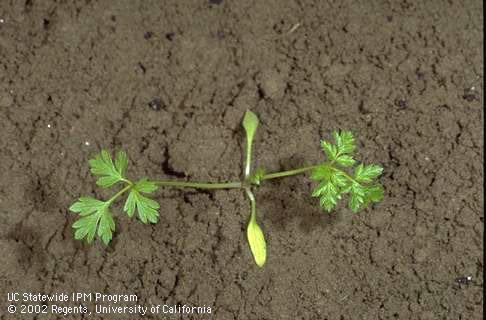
(337, 176)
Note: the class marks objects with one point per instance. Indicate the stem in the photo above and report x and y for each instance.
(180, 184)
(126, 181)
(288, 172)
(119, 193)
(199, 185)
(304, 169)
(234, 184)
(253, 205)
(248, 159)
(344, 174)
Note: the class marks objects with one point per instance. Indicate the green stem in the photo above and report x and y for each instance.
(119, 193)
(126, 181)
(180, 184)
(344, 174)
(253, 205)
(227, 185)
(288, 172)
(302, 170)
(199, 185)
(248, 159)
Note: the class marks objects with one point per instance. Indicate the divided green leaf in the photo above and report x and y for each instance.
(329, 149)
(356, 198)
(366, 174)
(146, 186)
(86, 206)
(146, 208)
(345, 160)
(109, 173)
(328, 194)
(339, 179)
(322, 172)
(334, 182)
(95, 219)
(331, 185)
(341, 151)
(361, 196)
(373, 194)
(121, 162)
(344, 141)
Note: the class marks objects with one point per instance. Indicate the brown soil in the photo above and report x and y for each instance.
(405, 76)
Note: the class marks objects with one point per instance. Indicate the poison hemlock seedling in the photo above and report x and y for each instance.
(340, 175)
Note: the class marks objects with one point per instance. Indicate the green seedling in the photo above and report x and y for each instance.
(336, 177)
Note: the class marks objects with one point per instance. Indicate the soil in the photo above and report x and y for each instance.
(169, 81)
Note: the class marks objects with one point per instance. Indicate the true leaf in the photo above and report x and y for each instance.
(121, 162)
(146, 208)
(373, 194)
(322, 172)
(86, 227)
(105, 228)
(328, 194)
(344, 141)
(339, 179)
(334, 182)
(329, 149)
(95, 219)
(108, 173)
(145, 185)
(345, 160)
(356, 198)
(366, 174)
(86, 206)
(130, 204)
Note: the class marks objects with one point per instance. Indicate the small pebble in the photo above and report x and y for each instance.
(220, 35)
(86, 143)
(155, 104)
(401, 103)
(147, 35)
(49, 126)
(470, 94)
(464, 280)
(2, 21)
(170, 36)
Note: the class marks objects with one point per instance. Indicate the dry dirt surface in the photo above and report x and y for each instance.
(169, 81)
